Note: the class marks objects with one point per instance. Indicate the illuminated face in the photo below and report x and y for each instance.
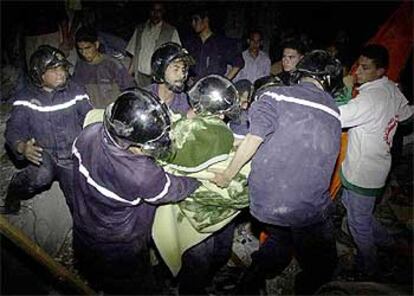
(255, 41)
(54, 77)
(367, 71)
(88, 50)
(290, 59)
(176, 74)
(198, 24)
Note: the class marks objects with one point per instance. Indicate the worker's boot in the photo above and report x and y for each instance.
(12, 201)
(11, 206)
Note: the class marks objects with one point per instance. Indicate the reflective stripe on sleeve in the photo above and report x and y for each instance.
(302, 102)
(163, 192)
(51, 108)
(104, 191)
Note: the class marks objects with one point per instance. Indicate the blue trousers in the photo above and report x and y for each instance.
(366, 231)
(201, 262)
(313, 246)
(33, 179)
(115, 268)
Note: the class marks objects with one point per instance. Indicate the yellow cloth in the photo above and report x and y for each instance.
(93, 116)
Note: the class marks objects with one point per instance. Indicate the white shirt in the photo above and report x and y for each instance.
(373, 117)
(149, 38)
(254, 68)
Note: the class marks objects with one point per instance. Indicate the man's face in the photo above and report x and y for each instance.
(367, 71)
(88, 50)
(255, 41)
(290, 59)
(176, 74)
(244, 100)
(55, 77)
(156, 13)
(198, 23)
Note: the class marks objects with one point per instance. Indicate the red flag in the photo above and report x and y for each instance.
(396, 34)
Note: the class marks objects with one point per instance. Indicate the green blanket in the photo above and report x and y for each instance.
(200, 143)
(93, 116)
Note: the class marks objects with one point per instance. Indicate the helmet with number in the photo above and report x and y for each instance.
(320, 65)
(44, 58)
(214, 94)
(165, 55)
(138, 118)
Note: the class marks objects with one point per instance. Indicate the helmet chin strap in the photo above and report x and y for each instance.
(174, 88)
(315, 80)
(63, 86)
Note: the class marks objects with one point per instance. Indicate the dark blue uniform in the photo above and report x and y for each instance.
(289, 181)
(114, 207)
(240, 127)
(179, 104)
(54, 120)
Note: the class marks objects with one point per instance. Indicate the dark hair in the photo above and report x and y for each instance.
(244, 85)
(296, 44)
(253, 31)
(85, 34)
(160, 3)
(378, 54)
(201, 10)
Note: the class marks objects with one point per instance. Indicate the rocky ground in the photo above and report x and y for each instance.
(395, 211)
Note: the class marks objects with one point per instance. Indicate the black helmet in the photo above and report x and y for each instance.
(44, 58)
(244, 86)
(138, 118)
(214, 94)
(165, 55)
(320, 65)
(264, 83)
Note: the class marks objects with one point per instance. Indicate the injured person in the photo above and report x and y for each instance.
(197, 233)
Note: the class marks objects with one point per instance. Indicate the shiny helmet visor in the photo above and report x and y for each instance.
(138, 118)
(214, 95)
(44, 58)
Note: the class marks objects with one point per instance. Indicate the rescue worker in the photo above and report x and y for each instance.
(169, 66)
(240, 126)
(46, 118)
(294, 141)
(118, 185)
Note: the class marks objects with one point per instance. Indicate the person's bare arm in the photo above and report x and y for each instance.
(243, 154)
(232, 72)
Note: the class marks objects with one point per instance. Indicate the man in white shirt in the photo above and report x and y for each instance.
(256, 62)
(146, 39)
(372, 118)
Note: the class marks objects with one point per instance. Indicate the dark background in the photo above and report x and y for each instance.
(319, 20)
